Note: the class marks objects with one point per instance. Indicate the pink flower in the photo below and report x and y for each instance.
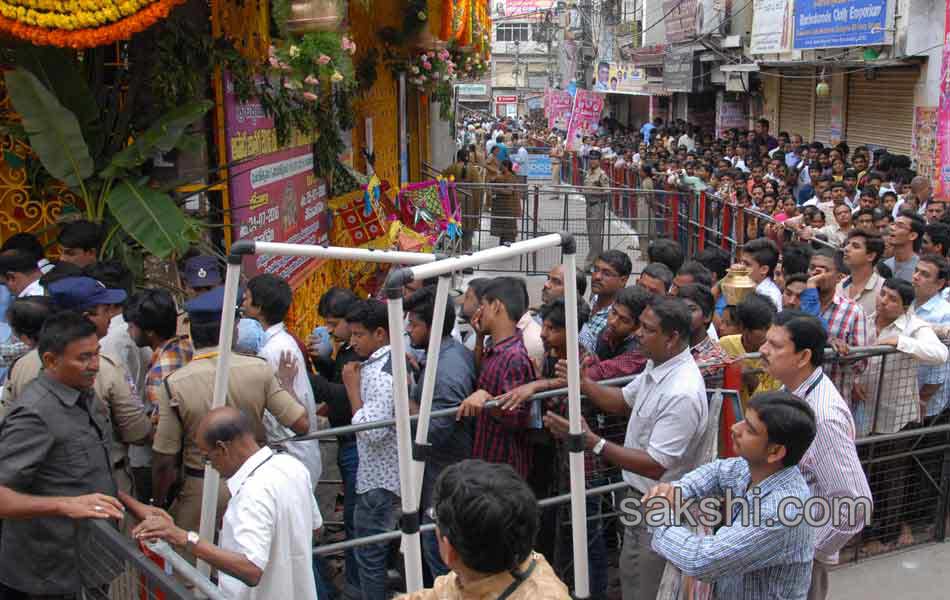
(427, 66)
(311, 80)
(348, 45)
(274, 62)
(323, 59)
(310, 96)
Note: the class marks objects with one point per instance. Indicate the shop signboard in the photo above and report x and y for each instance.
(678, 69)
(274, 194)
(771, 26)
(840, 23)
(538, 166)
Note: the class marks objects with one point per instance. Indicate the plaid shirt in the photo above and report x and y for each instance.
(847, 322)
(710, 353)
(616, 361)
(11, 350)
(500, 435)
(594, 326)
(171, 356)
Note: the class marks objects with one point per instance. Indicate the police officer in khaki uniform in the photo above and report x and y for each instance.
(130, 423)
(186, 399)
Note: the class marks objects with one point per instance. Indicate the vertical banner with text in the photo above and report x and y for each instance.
(584, 117)
(942, 166)
(275, 196)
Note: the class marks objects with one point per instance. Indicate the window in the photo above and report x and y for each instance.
(512, 32)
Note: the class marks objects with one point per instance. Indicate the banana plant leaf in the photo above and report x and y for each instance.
(53, 130)
(58, 70)
(164, 135)
(150, 217)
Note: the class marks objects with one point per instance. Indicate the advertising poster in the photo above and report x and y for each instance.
(584, 117)
(924, 144)
(771, 26)
(275, 196)
(678, 70)
(943, 119)
(558, 108)
(623, 78)
(839, 23)
(513, 8)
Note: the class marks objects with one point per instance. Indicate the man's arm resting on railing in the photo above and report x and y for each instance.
(233, 563)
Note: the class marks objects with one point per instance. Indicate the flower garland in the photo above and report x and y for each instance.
(80, 23)
(434, 72)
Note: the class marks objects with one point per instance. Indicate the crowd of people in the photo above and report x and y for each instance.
(107, 395)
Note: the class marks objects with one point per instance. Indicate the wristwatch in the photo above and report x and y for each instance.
(599, 446)
(192, 539)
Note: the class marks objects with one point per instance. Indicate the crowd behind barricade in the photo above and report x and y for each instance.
(107, 394)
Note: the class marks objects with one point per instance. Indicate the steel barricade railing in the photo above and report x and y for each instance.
(941, 451)
(112, 566)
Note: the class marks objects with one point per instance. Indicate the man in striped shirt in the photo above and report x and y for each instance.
(771, 557)
(792, 353)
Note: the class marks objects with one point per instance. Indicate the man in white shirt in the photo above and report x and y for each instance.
(668, 411)
(21, 274)
(267, 533)
(267, 300)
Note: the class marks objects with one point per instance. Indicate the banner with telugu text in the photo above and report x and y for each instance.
(942, 168)
(584, 117)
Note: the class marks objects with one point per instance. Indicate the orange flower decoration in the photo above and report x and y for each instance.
(122, 29)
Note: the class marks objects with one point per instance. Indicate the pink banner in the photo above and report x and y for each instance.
(584, 117)
(557, 108)
(274, 194)
(942, 166)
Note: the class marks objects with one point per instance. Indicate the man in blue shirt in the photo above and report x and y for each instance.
(770, 553)
(450, 440)
(647, 130)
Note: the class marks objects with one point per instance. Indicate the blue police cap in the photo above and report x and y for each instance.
(202, 271)
(82, 293)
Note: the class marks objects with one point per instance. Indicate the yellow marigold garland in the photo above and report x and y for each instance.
(80, 23)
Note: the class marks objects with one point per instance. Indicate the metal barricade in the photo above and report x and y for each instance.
(113, 567)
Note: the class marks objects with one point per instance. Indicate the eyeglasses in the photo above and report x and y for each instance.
(604, 272)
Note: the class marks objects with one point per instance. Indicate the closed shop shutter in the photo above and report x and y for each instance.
(881, 110)
(795, 97)
(822, 119)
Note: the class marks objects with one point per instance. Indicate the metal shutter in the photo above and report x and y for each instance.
(881, 110)
(795, 99)
(822, 119)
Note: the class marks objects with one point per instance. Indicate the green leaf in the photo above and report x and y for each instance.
(53, 130)
(162, 136)
(58, 70)
(150, 217)
(191, 144)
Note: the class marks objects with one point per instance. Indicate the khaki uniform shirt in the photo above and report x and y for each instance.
(252, 387)
(130, 423)
(542, 584)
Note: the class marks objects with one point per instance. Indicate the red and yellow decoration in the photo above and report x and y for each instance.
(80, 23)
(467, 25)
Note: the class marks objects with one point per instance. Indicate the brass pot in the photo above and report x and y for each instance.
(307, 16)
(737, 285)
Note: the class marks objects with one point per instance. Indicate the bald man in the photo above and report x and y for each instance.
(266, 539)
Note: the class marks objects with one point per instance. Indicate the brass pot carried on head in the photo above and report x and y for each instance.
(737, 285)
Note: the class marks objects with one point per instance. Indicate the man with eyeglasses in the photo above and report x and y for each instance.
(609, 275)
(185, 399)
(272, 517)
